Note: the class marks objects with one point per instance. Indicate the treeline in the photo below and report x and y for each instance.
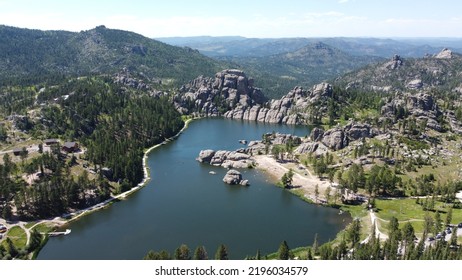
(200, 253)
(184, 253)
(114, 124)
(401, 244)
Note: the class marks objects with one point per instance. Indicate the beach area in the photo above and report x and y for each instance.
(303, 179)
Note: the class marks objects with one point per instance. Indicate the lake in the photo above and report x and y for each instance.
(185, 204)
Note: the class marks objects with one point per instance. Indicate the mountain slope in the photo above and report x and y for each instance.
(28, 53)
(306, 66)
(442, 71)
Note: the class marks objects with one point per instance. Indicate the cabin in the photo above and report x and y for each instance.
(17, 151)
(50, 142)
(70, 147)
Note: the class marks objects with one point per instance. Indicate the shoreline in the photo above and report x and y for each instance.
(67, 218)
(303, 180)
(146, 179)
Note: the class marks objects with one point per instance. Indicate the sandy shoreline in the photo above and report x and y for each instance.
(303, 179)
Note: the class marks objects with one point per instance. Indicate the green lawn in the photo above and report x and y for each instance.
(408, 210)
(18, 236)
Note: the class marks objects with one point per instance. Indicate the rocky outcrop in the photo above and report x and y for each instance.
(338, 138)
(232, 95)
(317, 134)
(456, 126)
(415, 84)
(226, 159)
(335, 139)
(234, 177)
(394, 63)
(205, 156)
(212, 96)
(355, 131)
(421, 106)
(444, 54)
(290, 109)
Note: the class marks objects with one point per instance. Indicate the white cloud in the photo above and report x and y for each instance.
(342, 1)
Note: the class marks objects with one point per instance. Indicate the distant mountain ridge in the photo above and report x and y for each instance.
(442, 71)
(34, 54)
(257, 47)
(307, 66)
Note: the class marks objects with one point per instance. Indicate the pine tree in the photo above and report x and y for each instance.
(258, 255)
(449, 217)
(35, 240)
(284, 251)
(315, 245)
(438, 221)
(200, 253)
(222, 253)
(354, 232)
(182, 253)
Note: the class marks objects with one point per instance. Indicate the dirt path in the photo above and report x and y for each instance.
(375, 222)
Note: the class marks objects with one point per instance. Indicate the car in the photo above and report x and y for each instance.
(448, 231)
(459, 225)
(430, 239)
(439, 236)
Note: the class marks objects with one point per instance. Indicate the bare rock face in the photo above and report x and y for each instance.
(306, 148)
(335, 139)
(212, 96)
(317, 134)
(356, 131)
(415, 84)
(444, 54)
(394, 63)
(232, 95)
(421, 101)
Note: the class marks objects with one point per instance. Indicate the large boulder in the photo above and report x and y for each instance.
(307, 147)
(355, 131)
(205, 156)
(335, 139)
(226, 159)
(234, 177)
(317, 134)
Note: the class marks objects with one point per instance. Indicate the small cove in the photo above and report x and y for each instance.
(183, 203)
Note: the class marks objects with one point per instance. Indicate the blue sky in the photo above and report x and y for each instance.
(271, 18)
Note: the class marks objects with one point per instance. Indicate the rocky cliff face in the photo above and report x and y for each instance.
(290, 109)
(421, 106)
(338, 138)
(232, 95)
(215, 96)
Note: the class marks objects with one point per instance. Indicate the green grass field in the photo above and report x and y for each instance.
(18, 236)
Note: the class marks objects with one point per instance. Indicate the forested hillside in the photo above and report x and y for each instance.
(35, 55)
(112, 123)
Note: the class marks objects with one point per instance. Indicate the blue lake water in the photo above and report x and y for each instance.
(184, 204)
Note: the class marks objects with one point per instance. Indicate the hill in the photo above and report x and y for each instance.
(35, 55)
(306, 66)
(441, 71)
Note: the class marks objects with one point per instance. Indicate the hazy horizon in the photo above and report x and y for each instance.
(256, 19)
